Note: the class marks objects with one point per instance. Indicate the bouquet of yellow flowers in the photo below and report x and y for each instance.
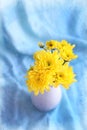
(51, 67)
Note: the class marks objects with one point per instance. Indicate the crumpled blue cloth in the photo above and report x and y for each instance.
(24, 23)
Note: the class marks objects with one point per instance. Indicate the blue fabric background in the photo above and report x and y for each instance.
(24, 23)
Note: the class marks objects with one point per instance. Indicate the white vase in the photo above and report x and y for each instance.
(48, 100)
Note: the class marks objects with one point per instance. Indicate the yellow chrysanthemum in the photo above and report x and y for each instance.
(38, 80)
(66, 51)
(69, 77)
(67, 54)
(47, 60)
(64, 76)
(52, 44)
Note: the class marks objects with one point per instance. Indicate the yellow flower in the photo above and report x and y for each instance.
(69, 76)
(67, 54)
(38, 81)
(66, 51)
(47, 60)
(64, 76)
(52, 44)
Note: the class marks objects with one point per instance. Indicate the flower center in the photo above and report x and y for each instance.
(48, 63)
(51, 44)
(67, 55)
(61, 75)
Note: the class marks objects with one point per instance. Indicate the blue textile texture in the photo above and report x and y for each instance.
(23, 24)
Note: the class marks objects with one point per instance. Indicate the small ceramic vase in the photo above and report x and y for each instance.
(48, 100)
